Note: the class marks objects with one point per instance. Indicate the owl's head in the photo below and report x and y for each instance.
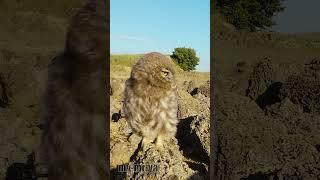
(156, 69)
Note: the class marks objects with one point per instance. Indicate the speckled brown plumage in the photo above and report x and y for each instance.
(74, 139)
(150, 100)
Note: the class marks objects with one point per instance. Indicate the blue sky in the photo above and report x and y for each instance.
(141, 26)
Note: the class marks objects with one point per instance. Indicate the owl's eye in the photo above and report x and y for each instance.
(164, 73)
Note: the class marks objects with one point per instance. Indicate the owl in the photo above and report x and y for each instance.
(150, 99)
(74, 136)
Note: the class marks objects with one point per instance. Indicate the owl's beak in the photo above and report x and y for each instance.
(170, 76)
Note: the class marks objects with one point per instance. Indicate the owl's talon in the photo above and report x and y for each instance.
(159, 142)
(145, 143)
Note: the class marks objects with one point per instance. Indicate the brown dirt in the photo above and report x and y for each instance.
(267, 104)
(187, 155)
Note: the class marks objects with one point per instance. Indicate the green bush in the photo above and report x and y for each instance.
(186, 58)
(251, 15)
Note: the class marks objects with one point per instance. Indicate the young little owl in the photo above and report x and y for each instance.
(150, 100)
(74, 141)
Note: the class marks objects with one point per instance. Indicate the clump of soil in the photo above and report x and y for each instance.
(169, 160)
(304, 88)
(188, 86)
(271, 132)
(260, 79)
(185, 156)
(22, 81)
(25, 52)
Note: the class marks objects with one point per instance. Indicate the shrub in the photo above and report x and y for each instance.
(186, 58)
(250, 15)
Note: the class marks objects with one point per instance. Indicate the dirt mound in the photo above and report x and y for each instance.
(261, 145)
(304, 88)
(242, 144)
(278, 109)
(190, 106)
(303, 91)
(201, 128)
(170, 162)
(186, 156)
(261, 135)
(188, 86)
(260, 79)
(122, 143)
(194, 139)
(21, 73)
(203, 89)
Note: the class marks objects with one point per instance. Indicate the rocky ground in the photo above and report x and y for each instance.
(30, 36)
(187, 155)
(22, 82)
(267, 110)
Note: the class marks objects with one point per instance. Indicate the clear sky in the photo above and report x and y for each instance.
(299, 16)
(141, 26)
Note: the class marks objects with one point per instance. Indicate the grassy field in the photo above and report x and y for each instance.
(232, 46)
(120, 66)
(225, 33)
(127, 60)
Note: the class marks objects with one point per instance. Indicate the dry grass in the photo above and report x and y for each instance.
(120, 66)
(199, 78)
(127, 60)
(239, 38)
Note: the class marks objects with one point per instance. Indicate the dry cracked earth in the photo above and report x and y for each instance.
(266, 101)
(268, 120)
(185, 156)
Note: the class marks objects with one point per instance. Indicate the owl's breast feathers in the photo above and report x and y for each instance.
(152, 115)
(150, 101)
